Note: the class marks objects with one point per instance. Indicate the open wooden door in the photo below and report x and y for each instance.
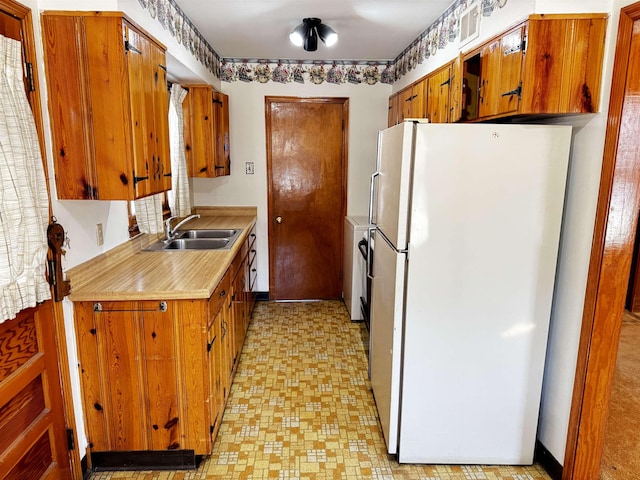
(35, 441)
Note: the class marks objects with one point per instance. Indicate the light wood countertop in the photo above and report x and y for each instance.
(127, 272)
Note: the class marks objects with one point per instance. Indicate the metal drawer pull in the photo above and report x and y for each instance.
(162, 307)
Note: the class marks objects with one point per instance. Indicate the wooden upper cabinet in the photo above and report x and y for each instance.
(206, 131)
(550, 64)
(563, 63)
(108, 105)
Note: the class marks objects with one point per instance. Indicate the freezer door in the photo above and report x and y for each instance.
(485, 228)
(392, 184)
(386, 336)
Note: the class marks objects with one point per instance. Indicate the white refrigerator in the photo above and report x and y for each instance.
(466, 222)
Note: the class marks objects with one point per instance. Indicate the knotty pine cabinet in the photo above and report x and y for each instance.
(206, 131)
(108, 105)
(550, 64)
(156, 375)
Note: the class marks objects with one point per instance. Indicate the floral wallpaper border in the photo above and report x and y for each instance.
(176, 22)
(436, 37)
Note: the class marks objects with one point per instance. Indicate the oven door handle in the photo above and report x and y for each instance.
(362, 246)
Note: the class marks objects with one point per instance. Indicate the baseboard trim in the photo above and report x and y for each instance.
(262, 296)
(144, 460)
(548, 461)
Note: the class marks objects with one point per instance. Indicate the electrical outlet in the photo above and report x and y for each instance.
(248, 168)
(99, 235)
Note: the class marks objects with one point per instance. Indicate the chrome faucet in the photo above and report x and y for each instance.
(171, 232)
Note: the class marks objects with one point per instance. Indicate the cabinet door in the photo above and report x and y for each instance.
(510, 71)
(392, 116)
(419, 99)
(139, 93)
(202, 139)
(404, 104)
(438, 99)
(222, 156)
(489, 78)
(455, 91)
(161, 117)
(563, 63)
(158, 363)
(215, 352)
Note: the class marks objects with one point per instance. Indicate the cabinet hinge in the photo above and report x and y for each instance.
(29, 74)
(130, 48)
(71, 444)
(210, 345)
(516, 91)
(523, 46)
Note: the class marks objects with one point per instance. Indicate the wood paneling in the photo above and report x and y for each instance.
(614, 231)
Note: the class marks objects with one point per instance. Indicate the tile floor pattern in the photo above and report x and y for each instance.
(301, 408)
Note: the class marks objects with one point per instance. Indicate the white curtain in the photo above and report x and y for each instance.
(24, 204)
(148, 212)
(179, 196)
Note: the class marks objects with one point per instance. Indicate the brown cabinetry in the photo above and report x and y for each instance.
(108, 105)
(409, 102)
(156, 375)
(494, 74)
(563, 64)
(550, 64)
(206, 131)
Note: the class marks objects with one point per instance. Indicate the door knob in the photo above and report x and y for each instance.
(278, 219)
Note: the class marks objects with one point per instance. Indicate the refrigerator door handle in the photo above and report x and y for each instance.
(369, 232)
(372, 196)
(391, 245)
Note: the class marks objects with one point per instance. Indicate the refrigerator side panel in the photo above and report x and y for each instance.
(485, 225)
(386, 336)
(392, 192)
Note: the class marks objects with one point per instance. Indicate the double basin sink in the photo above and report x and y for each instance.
(211, 239)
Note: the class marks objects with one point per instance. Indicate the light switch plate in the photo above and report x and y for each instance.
(248, 168)
(99, 234)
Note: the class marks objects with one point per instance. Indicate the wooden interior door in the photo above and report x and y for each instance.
(34, 414)
(306, 168)
(32, 424)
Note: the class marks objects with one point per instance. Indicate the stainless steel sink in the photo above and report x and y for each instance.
(221, 233)
(212, 239)
(197, 244)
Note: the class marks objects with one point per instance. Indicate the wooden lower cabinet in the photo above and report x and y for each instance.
(156, 375)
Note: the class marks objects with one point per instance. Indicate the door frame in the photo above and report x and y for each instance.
(345, 162)
(25, 16)
(607, 281)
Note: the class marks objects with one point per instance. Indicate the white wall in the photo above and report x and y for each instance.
(367, 115)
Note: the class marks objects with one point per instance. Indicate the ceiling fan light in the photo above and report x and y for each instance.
(327, 34)
(298, 34)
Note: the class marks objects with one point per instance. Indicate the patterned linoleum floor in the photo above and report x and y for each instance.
(301, 408)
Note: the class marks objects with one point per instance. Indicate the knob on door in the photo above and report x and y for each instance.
(278, 219)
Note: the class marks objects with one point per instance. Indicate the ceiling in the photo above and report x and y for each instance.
(259, 29)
